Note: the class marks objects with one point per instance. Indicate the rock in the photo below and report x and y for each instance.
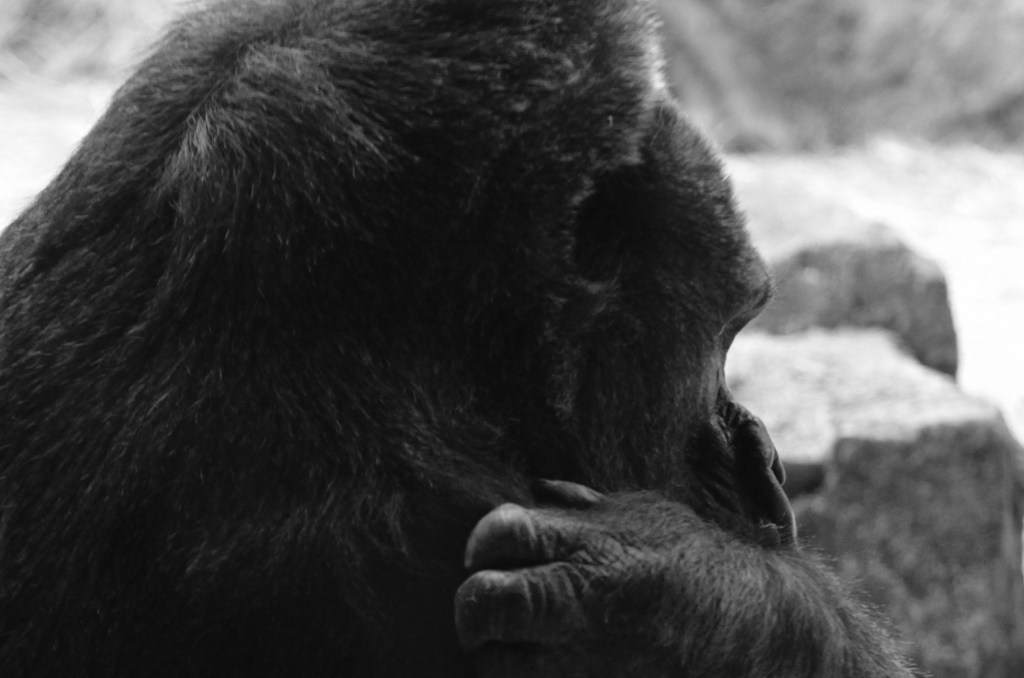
(833, 269)
(918, 500)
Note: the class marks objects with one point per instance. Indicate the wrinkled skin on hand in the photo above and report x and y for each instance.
(635, 585)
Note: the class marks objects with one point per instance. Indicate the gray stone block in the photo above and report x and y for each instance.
(918, 497)
(833, 269)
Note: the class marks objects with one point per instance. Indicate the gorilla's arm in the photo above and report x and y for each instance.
(633, 585)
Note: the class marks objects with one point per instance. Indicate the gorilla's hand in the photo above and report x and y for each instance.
(563, 591)
(635, 585)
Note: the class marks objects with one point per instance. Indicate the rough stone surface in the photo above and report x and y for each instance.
(919, 501)
(834, 269)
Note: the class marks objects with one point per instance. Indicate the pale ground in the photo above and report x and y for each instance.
(963, 206)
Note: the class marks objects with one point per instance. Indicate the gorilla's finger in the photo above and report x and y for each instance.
(751, 435)
(535, 605)
(488, 603)
(779, 469)
(773, 503)
(510, 536)
(763, 475)
(566, 493)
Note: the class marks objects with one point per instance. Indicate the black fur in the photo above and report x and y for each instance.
(329, 281)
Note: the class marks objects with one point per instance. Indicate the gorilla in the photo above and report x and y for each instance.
(378, 338)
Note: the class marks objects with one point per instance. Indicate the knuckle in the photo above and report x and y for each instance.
(545, 606)
(508, 536)
(493, 605)
(507, 522)
(504, 536)
(508, 517)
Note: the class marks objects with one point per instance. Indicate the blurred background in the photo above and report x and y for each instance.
(877, 147)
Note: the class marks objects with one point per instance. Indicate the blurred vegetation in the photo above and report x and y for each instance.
(758, 74)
